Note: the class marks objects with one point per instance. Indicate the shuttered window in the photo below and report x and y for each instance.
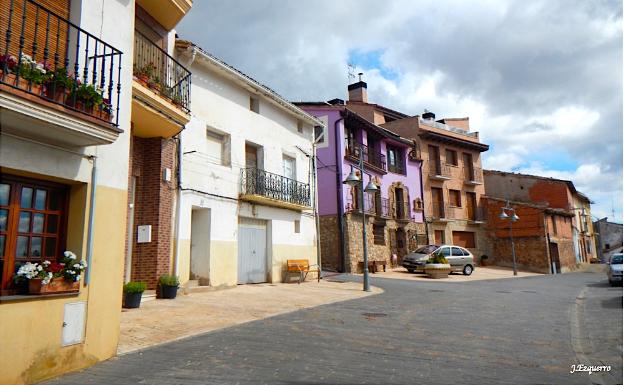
(464, 239)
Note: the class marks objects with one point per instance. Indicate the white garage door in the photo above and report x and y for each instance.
(252, 256)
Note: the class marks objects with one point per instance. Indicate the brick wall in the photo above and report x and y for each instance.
(153, 206)
(531, 253)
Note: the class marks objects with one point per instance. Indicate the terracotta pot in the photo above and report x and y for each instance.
(56, 285)
(8, 78)
(55, 93)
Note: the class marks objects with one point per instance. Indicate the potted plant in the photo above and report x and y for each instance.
(484, 260)
(52, 277)
(437, 266)
(145, 73)
(168, 286)
(132, 294)
(85, 97)
(8, 65)
(33, 73)
(57, 85)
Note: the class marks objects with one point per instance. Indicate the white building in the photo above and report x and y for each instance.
(246, 191)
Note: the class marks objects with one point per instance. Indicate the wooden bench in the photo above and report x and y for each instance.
(301, 267)
(372, 266)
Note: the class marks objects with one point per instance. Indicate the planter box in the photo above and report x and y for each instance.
(437, 270)
(55, 286)
(168, 292)
(132, 300)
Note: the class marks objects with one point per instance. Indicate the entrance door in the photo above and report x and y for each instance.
(437, 202)
(468, 167)
(200, 246)
(252, 256)
(435, 165)
(400, 204)
(554, 257)
(289, 185)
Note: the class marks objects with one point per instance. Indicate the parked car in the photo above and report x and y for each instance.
(614, 272)
(459, 258)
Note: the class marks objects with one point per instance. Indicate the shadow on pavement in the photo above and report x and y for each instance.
(612, 303)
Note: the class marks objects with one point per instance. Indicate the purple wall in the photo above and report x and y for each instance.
(327, 167)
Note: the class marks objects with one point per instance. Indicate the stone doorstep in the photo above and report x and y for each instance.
(148, 295)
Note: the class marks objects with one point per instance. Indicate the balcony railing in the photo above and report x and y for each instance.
(273, 186)
(353, 206)
(398, 168)
(476, 213)
(46, 55)
(473, 175)
(402, 210)
(439, 170)
(369, 155)
(382, 209)
(157, 70)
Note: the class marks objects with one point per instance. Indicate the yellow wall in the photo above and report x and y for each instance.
(31, 329)
(282, 253)
(223, 263)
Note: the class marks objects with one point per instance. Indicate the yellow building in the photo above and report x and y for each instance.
(66, 91)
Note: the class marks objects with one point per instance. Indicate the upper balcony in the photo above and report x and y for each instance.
(372, 158)
(167, 12)
(161, 91)
(473, 175)
(439, 171)
(58, 83)
(370, 208)
(263, 187)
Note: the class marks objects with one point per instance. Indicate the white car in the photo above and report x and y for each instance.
(459, 258)
(614, 272)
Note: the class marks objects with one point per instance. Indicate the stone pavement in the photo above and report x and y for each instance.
(502, 331)
(160, 321)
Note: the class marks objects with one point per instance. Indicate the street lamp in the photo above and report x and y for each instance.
(512, 218)
(353, 180)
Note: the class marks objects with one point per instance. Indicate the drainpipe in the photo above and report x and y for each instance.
(316, 214)
(422, 199)
(343, 247)
(91, 220)
(176, 262)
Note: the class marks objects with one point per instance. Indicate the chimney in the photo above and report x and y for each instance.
(357, 91)
(428, 115)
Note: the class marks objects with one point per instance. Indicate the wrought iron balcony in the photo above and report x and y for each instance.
(402, 211)
(46, 55)
(370, 156)
(353, 206)
(266, 187)
(162, 73)
(473, 175)
(440, 171)
(382, 208)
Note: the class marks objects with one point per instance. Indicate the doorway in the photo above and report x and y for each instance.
(252, 253)
(554, 257)
(200, 246)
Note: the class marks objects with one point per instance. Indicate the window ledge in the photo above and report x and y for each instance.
(29, 297)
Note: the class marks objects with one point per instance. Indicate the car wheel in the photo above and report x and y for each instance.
(410, 270)
(468, 270)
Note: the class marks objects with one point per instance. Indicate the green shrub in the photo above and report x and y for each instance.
(134, 287)
(437, 258)
(168, 280)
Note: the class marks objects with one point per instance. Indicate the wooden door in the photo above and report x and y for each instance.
(437, 202)
(554, 257)
(468, 167)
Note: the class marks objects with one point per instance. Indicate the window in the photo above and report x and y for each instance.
(379, 234)
(254, 104)
(217, 147)
(451, 157)
(445, 251)
(289, 167)
(554, 224)
(297, 226)
(455, 198)
(439, 237)
(396, 160)
(32, 223)
(319, 134)
(300, 126)
(458, 252)
(588, 248)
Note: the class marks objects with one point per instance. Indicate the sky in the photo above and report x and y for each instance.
(540, 80)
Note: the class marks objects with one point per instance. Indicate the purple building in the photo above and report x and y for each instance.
(394, 213)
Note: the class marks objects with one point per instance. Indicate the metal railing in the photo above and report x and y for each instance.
(397, 168)
(353, 206)
(161, 72)
(369, 155)
(382, 208)
(401, 210)
(476, 213)
(47, 55)
(438, 210)
(473, 174)
(436, 168)
(269, 185)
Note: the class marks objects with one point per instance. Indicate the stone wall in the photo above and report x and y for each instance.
(567, 258)
(330, 243)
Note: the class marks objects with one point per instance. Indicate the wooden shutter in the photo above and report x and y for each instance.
(55, 39)
(464, 239)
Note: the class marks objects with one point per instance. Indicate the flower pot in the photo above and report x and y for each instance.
(55, 93)
(9, 78)
(437, 270)
(168, 292)
(56, 285)
(143, 79)
(132, 300)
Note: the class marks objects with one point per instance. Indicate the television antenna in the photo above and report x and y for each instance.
(351, 72)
